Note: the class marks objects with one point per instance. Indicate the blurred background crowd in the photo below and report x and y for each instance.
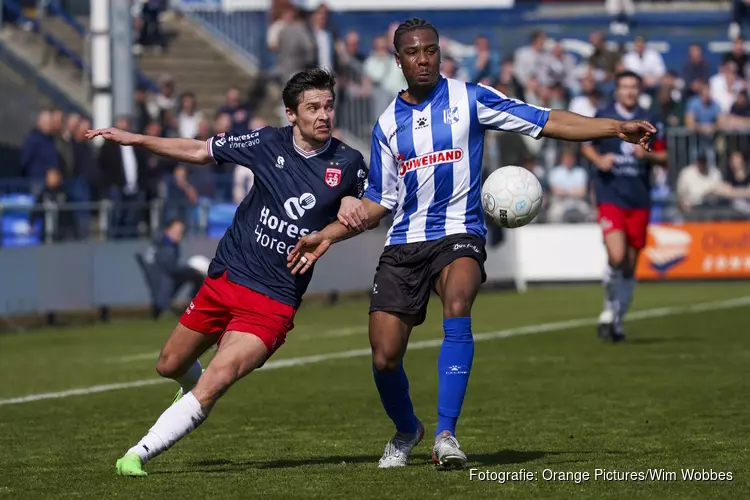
(700, 105)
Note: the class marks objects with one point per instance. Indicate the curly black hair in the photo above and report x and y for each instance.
(411, 25)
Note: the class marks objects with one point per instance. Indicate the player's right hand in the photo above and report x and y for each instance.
(114, 135)
(307, 250)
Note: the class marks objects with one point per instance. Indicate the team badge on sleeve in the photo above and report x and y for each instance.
(333, 177)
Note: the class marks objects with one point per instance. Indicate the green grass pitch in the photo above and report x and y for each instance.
(674, 397)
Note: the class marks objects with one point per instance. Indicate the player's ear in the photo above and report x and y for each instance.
(291, 116)
(398, 60)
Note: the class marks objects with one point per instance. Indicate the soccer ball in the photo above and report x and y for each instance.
(512, 196)
(200, 263)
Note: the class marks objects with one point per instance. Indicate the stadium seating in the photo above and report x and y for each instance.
(15, 215)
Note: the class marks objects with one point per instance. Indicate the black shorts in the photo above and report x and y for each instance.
(407, 273)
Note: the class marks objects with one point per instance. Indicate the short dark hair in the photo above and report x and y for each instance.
(310, 79)
(412, 24)
(627, 74)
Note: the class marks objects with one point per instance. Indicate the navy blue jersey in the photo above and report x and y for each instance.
(628, 184)
(295, 192)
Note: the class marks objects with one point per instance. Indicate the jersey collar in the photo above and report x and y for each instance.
(422, 105)
(311, 154)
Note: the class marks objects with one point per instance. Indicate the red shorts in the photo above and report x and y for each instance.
(632, 221)
(221, 306)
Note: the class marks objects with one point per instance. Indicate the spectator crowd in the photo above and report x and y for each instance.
(710, 103)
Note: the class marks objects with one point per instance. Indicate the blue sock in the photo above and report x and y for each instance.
(454, 366)
(393, 387)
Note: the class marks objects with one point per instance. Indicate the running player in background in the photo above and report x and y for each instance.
(303, 177)
(426, 164)
(622, 187)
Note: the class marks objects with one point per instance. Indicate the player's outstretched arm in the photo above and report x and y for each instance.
(578, 128)
(183, 150)
(312, 247)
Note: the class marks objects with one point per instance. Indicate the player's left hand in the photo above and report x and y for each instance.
(637, 132)
(352, 214)
(307, 250)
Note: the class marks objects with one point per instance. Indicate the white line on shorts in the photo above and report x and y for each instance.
(422, 344)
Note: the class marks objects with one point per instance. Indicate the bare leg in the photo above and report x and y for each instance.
(178, 359)
(239, 354)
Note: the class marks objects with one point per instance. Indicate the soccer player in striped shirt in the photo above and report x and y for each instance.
(425, 166)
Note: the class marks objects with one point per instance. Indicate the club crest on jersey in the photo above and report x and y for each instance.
(429, 160)
(333, 177)
(450, 116)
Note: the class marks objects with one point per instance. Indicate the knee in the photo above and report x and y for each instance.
(457, 307)
(385, 360)
(616, 259)
(169, 366)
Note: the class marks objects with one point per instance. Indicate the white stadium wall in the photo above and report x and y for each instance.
(560, 252)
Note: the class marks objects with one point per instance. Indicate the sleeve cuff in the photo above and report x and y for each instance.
(540, 124)
(374, 197)
(210, 148)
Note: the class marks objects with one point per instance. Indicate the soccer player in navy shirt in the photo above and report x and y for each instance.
(303, 177)
(426, 166)
(622, 188)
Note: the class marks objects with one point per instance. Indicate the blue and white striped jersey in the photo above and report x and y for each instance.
(426, 159)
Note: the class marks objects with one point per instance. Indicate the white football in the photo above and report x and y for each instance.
(512, 196)
(200, 263)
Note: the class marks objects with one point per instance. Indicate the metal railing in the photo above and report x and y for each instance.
(244, 29)
(27, 224)
(27, 220)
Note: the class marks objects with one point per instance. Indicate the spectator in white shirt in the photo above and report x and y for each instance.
(529, 60)
(567, 184)
(590, 99)
(559, 68)
(188, 118)
(646, 62)
(725, 86)
(696, 183)
(324, 40)
(380, 67)
(164, 100)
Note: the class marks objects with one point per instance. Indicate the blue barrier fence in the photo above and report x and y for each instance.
(25, 221)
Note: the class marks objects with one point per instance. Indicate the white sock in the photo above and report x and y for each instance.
(175, 423)
(625, 294)
(190, 378)
(611, 282)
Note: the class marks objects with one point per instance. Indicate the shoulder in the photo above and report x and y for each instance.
(268, 134)
(346, 155)
(386, 126)
(247, 138)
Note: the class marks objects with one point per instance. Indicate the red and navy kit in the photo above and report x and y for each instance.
(295, 192)
(623, 194)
